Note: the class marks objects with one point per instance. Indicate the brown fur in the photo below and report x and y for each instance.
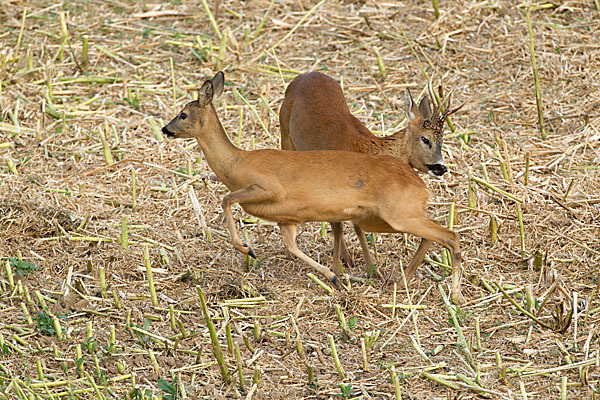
(314, 116)
(379, 193)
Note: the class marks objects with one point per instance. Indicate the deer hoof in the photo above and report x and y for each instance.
(336, 282)
(250, 251)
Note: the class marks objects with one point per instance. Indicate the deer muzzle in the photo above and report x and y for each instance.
(167, 132)
(436, 169)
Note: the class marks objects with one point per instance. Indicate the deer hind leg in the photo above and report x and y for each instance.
(430, 231)
(288, 234)
(370, 265)
(339, 247)
(249, 194)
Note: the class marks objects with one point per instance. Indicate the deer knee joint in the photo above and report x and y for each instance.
(225, 202)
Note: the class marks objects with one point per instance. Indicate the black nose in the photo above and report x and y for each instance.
(167, 132)
(437, 169)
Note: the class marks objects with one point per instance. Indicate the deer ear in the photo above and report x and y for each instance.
(205, 94)
(425, 108)
(411, 108)
(218, 82)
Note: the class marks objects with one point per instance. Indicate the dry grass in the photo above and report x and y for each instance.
(63, 204)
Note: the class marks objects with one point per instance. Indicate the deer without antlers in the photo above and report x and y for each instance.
(376, 193)
(314, 116)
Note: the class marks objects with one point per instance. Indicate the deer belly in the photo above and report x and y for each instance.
(374, 225)
(300, 213)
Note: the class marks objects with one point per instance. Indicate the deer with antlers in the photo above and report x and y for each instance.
(314, 116)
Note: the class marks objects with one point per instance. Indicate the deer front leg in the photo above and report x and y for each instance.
(430, 231)
(457, 296)
(249, 194)
(288, 234)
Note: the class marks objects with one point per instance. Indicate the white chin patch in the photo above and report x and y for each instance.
(430, 173)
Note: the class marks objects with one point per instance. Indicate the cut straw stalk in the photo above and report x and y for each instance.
(262, 21)
(102, 273)
(380, 64)
(11, 281)
(155, 129)
(319, 282)
(57, 328)
(538, 95)
(64, 36)
(79, 359)
(565, 367)
(438, 379)
(521, 309)
(211, 18)
(336, 359)
(238, 356)
(260, 121)
(124, 232)
(446, 259)
(174, 89)
(25, 311)
(11, 166)
(24, 15)
(213, 338)
(346, 333)
(472, 202)
(150, 278)
(436, 9)
(414, 53)
(461, 337)
(105, 146)
(365, 358)
(521, 231)
(493, 230)
(84, 53)
(222, 49)
(299, 347)
(227, 323)
(497, 190)
(397, 389)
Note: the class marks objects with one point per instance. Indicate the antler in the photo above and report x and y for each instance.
(434, 103)
(437, 122)
(450, 111)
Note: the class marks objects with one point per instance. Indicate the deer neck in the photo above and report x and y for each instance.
(218, 150)
(395, 145)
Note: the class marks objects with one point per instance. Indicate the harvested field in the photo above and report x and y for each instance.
(103, 254)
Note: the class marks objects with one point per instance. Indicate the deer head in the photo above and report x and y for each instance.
(425, 131)
(194, 116)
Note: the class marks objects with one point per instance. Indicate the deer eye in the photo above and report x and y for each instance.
(426, 141)
(183, 115)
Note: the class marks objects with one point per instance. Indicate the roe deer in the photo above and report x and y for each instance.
(376, 193)
(314, 116)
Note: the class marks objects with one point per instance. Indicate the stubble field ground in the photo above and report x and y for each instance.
(82, 162)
